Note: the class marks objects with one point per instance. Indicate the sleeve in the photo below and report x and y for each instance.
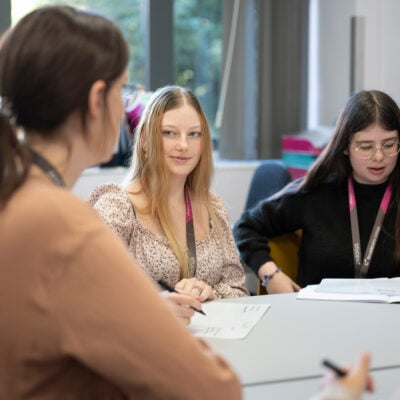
(232, 283)
(111, 202)
(110, 316)
(271, 217)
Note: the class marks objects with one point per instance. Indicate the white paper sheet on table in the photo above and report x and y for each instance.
(227, 320)
(382, 290)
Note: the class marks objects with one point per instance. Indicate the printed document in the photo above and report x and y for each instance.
(227, 320)
(384, 290)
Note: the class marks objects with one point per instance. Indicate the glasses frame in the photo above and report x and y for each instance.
(357, 149)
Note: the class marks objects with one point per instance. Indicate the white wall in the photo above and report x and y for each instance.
(231, 182)
(381, 52)
(382, 45)
(333, 58)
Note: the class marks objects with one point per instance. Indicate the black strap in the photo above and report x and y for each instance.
(47, 168)
(190, 239)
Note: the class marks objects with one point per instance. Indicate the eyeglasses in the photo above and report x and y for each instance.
(366, 151)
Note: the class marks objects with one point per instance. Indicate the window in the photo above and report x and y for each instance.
(127, 14)
(198, 51)
(197, 38)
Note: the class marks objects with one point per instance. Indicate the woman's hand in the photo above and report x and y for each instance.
(181, 305)
(354, 383)
(197, 288)
(280, 282)
(358, 379)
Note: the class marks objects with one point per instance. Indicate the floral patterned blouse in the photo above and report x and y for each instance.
(218, 262)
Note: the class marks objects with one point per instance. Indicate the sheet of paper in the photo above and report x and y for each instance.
(353, 286)
(314, 292)
(227, 320)
(385, 286)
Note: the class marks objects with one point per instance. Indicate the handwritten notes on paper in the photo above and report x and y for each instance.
(227, 320)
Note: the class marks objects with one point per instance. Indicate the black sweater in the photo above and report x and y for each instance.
(326, 244)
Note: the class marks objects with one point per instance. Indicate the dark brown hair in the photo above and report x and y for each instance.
(362, 109)
(48, 64)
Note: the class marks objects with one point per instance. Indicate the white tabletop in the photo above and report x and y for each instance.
(286, 347)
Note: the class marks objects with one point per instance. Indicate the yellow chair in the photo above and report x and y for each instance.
(284, 251)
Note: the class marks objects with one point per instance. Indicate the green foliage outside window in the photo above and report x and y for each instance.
(198, 50)
(127, 14)
(197, 40)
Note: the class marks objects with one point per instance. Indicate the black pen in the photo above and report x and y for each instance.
(340, 372)
(166, 286)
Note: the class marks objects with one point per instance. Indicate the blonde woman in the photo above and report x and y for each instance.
(176, 229)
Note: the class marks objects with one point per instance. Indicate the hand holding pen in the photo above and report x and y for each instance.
(356, 379)
(339, 371)
(170, 289)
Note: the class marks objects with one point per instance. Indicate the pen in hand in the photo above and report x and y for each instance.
(340, 372)
(166, 286)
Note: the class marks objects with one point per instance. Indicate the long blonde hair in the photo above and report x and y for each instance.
(148, 164)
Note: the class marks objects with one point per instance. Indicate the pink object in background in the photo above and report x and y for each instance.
(135, 99)
(133, 115)
(300, 151)
(299, 145)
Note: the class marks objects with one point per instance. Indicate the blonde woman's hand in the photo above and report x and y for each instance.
(197, 288)
(280, 282)
(182, 305)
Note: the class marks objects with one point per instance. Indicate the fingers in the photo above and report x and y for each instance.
(195, 287)
(184, 314)
(188, 286)
(296, 287)
(360, 372)
(356, 380)
(363, 363)
(183, 306)
(184, 300)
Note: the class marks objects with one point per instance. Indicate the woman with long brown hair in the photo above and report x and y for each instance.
(345, 206)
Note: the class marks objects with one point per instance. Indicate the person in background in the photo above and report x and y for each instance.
(79, 318)
(345, 206)
(165, 214)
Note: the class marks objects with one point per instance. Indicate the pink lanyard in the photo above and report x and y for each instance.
(190, 239)
(361, 268)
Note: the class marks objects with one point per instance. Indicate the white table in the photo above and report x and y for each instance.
(281, 357)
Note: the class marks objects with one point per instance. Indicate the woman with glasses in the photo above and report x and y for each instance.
(345, 206)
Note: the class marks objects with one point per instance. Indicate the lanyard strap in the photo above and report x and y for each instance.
(361, 268)
(191, 244)
(47, 168)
